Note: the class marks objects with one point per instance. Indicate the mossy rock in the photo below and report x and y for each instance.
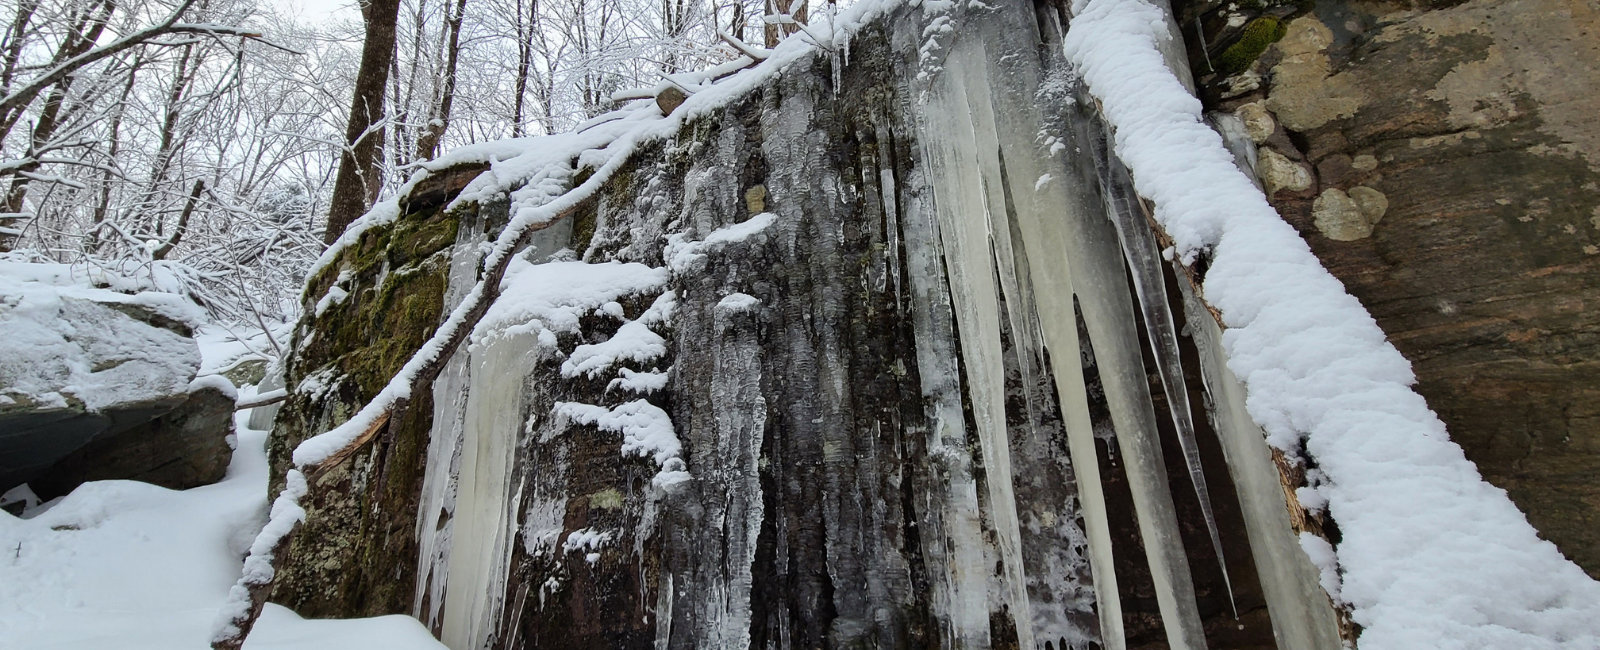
(247, 372)
(1257, 37)
(396, 275)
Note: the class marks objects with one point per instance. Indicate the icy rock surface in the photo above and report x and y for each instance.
(844, 353)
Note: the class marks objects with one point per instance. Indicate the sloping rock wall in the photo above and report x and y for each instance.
(874, 438)
(1443, 160)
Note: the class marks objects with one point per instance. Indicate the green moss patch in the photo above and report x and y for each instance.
(1258, 35)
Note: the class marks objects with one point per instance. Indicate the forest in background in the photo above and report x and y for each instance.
(203, 147)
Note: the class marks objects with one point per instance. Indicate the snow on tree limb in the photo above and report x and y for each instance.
(25, 94)
(386, 409)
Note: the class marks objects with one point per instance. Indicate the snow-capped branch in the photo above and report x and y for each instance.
(743, 48)
(24, 95)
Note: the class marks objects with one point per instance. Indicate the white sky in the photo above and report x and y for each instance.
(315, 10)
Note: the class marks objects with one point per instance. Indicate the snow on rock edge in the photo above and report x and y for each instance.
(1432, 556)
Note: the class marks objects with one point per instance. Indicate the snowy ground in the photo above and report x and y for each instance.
(128, 565)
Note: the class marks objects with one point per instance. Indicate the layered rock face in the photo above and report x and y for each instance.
(1443, 160)
(882, 354)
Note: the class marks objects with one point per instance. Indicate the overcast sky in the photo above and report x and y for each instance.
(312, 10)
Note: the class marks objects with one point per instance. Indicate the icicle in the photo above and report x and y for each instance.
(1301, 615)
(437, 503)
(963, 201)
(959, 593)
(485, 512)
(835, 58)
(891, 208)
(1141, 252)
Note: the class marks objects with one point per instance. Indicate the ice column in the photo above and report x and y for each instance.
(1144, 263)
(436, 507)
(485, 512)
(954, 536)
(957, 155)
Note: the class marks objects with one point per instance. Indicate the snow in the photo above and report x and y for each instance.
(681, 254)
(218, 382)
(1326, 561)
(279, 627)
(646, 431)
(132, 566)
(286, 513)
(1431, 556)
(738, 302)
(638, 382)
(335, 296)
(555, 295)
(585, 539)
(224, 348)
(633, 342)
(66, 338)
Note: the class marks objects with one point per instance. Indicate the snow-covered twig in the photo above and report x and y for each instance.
(261, 399)
(170, 25)
(744, 48)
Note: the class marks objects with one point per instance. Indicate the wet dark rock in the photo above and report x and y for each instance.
(669, 99)
(441, 187)
(186, 446)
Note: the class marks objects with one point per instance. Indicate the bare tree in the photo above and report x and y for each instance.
(439, 120)
(359, 179)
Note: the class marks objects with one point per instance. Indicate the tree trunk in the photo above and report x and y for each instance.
(524, 62)
(45, 127)
(357, 183)
(428, 144)
(793, 8)
(15, 40)
(160, 253)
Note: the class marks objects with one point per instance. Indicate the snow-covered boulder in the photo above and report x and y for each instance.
(102, 379)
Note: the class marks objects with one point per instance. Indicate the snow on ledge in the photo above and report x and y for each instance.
(646, 431)
(1432, 556)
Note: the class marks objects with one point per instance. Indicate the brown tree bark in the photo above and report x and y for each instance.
(794, 8)
(428, 144)
(356, 184)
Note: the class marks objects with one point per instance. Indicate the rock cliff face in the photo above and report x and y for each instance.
(1443, 161)
(882, 354)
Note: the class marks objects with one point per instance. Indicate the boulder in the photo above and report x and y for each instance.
(96, 384)
(182, 448)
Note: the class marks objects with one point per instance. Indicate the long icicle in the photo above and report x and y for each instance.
(1139, 248)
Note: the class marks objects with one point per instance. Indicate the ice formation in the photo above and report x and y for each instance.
(1418, 570)
(748, 399)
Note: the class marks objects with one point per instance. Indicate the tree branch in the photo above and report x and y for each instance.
(25, 95)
